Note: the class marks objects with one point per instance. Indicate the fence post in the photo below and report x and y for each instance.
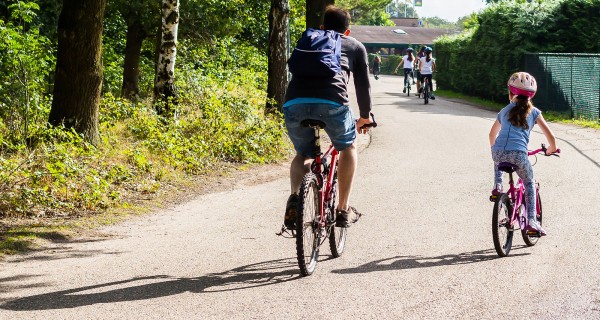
(572, 99)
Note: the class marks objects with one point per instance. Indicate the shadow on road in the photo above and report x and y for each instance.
(412, 262)
(141, 288)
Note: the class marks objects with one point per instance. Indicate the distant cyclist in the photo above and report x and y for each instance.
(376, 65)
(427, 68)
(408, 63)
(509, 138)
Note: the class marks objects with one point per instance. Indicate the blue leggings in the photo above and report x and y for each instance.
(524, 171)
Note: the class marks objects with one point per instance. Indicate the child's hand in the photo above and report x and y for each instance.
(550, 149)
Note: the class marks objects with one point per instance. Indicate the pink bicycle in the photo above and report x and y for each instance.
(510, 212)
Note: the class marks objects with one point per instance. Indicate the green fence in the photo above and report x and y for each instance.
(567, 83)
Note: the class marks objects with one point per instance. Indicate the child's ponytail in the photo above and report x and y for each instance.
(518, 115)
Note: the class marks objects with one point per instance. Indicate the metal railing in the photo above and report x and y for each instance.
(567, 83)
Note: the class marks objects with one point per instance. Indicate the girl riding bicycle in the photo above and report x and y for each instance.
(408, 62)
(509, 137)
(427, 68)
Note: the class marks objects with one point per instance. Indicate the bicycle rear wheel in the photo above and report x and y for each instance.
(407, 86)
(337, 235)
(307, 225)
(502, 232)
(529, 240)
(426, 92)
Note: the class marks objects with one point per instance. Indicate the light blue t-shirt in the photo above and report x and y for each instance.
(511, 137)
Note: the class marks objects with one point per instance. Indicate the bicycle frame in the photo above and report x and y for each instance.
(516, 198)
(516, 195)
(322, 169)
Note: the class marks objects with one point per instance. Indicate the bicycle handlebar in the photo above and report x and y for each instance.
(370, 125)
(543, 150)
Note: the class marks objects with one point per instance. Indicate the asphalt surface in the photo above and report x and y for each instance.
(423, 250)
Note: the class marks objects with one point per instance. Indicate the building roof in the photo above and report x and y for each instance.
(406, 22)
(395, 36)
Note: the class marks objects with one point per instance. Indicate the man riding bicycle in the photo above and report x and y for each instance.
(326, 99)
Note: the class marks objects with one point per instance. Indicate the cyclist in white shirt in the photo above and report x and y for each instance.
(408, 62)
(427, 68)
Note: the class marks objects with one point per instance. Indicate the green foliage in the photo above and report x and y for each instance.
(479, 61)
(438, 23)
(367, 12)
(26, 61)
(220, 119)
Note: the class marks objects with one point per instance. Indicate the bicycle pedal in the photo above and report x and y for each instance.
(533, 234)
(286, 233)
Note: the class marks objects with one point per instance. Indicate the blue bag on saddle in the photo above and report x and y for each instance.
(317, 54)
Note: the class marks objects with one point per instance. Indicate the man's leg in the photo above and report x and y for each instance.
(346, 169)
(299, 167)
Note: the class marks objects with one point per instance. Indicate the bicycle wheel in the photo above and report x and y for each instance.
(502, 232)
(426, 92)
(407, 88)
(529, 240)
(337, 235)
(307, 225)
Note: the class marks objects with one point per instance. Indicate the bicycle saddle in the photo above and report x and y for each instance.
(507, 167)
(313, 123)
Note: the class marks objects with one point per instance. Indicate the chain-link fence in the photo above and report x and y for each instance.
(567, 83)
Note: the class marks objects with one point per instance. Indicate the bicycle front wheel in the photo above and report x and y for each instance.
(307, 225)
(426, 92)
(529, 240)
(337, 235)
(502, 231)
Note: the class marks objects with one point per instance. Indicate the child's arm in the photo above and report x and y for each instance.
(494, 132)
(548, 133)
(398, 66)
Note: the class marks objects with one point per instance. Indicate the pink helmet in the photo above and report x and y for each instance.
(522, 83)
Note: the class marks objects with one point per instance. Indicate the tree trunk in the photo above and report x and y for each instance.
(278, 54)
(78, 77)
(131, 71)
(314, 12)
(165, 92)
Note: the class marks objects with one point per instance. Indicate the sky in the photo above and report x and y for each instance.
(450, 10)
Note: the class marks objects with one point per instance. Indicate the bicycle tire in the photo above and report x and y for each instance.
(407, 86)
(337, 235)
(502, 233)
(426, 92)
(531, 241)
(307, 229)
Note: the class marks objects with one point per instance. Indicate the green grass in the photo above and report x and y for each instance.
(548, 115)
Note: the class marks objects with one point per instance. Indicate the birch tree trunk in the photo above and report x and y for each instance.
(164, 84)
(78, 76)
(278, 54)
(314, 12)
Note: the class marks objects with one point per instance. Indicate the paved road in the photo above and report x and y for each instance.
(423, 250)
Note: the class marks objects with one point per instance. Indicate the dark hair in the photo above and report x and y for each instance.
(428, 56)
(336, 19)
(518, 114)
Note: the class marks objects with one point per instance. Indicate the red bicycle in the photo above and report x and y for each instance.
(315, 218)
(510, 212)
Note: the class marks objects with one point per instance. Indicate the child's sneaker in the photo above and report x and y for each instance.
(535, 226)
(497, 190)
(404, 90)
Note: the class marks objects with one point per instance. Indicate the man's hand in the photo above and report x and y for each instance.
(360, 125)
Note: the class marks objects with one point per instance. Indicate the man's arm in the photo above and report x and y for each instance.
(361, 81)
